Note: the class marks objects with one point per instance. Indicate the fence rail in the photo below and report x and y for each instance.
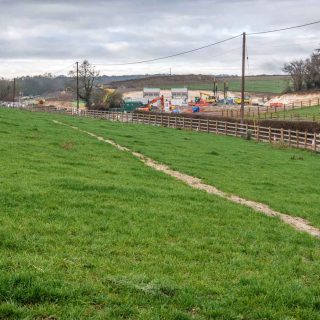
(266, 112)
(283, 137)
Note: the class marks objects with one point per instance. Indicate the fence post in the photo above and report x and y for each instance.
(297, 138)
(183, 122)
(305, 139)
(258, 133)
(270, 135)
(161, 123)
(315, 142)
(289, 137)
(236, 129)
(217, 127)
(175, 122)
(226, 128)
(282, 138)
(208, 126)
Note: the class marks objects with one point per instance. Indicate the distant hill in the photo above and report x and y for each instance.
(260, 84)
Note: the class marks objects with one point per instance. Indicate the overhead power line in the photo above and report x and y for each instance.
(208, 45)
(172, 55)
(283, 29)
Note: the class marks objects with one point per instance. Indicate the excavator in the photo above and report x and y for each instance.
(150, 107)
(209, 98)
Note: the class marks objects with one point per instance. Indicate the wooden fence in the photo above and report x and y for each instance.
(265, 112)
(282, 137)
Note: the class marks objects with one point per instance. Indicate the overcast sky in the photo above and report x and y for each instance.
(48, 36)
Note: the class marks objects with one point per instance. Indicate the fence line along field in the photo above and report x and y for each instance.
(253, 171)
(144, 245)
(292, 138)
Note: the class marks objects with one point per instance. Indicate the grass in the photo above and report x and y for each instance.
(89, 232)
(263, 85)
(306, 113)
(284, 178)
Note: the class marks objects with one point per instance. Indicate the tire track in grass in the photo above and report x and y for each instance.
(296, 222)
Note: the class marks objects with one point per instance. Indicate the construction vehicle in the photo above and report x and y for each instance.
(209, 98)
(150, 107)
(247, 100)
(198, 102)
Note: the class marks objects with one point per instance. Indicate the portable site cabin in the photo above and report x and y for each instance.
(131, 105)
(179, 96)
(151, 93)
(179, 93)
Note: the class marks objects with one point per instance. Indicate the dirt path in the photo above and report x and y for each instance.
(296, 222)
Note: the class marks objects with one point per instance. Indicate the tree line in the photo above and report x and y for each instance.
(305, 74)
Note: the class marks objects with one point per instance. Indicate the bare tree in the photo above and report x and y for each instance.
(296, 69)
(312, 71)
(104, 98)
(87, 77)
(5, 90)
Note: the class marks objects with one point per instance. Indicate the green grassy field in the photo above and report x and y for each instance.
(89, 232)
(264, 85)
(286, 179)
(304, 112)
(307, 113)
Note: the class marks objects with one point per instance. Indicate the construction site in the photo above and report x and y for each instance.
(214, 102)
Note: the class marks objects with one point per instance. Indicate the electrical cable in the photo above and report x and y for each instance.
(283, 29)
(172, 55)
(208, 45)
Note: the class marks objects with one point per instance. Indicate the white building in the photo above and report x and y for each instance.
(151, 93)
(179, 93)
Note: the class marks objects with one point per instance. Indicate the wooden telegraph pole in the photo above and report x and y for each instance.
(77, 86)
(243, 75)
(14, 90)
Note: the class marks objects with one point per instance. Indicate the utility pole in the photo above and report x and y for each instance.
(243, 75)
(14, 90)
(77, 86)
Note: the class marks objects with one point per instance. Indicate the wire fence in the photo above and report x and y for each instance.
(274, 111)
(280, 137)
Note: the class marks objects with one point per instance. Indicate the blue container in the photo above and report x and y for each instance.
(195, 109)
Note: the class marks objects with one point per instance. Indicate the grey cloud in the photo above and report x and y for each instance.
(113, 31)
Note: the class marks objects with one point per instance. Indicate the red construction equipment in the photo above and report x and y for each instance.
(276, 104)
(150, 107)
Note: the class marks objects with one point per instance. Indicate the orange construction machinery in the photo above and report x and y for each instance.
(150, 106)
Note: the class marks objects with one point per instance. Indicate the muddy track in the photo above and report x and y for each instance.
(296, 222)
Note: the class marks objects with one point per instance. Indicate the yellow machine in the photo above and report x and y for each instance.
(208, 98)
(247, 100)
